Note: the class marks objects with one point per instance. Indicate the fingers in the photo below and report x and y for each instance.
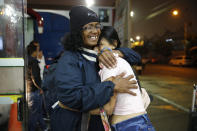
(120, 54)
(121, 75)
(103, 61)
(133, 82)
(108, 62)
(132, 86)
(111, 57)
(131, 92)
(108, 59)
(41, 91)
(129, 77)
(110, 78)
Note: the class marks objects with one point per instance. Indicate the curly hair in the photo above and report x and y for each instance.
(72, 41)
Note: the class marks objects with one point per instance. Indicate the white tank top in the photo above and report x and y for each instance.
(126, 103)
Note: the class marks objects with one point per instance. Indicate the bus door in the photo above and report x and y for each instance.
(12, 78)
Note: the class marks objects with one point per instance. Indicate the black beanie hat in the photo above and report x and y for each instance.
(80, 16)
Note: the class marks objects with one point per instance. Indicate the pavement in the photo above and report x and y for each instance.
(166, 117)
(168, 111)
(173, 90)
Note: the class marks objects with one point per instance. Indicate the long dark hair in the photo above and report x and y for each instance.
(72, 41)
(110, 34)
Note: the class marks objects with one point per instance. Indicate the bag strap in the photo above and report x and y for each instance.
(85, 115)
(105, 119)
(81, 66)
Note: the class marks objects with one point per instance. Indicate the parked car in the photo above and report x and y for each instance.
(181, 61)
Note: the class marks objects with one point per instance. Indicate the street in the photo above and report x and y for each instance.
(172, 89)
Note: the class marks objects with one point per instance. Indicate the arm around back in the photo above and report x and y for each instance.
(71, 89)
(130, 56)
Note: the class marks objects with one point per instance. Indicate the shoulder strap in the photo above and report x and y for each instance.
(80, 60)
(85, 115)
(137, 79)
(81, 66)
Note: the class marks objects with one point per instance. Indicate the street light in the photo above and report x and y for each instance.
(89, 2)
(175, 12)
(138, 37)
(132, 14)
(132, 40)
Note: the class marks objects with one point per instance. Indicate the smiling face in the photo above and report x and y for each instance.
(90, 34)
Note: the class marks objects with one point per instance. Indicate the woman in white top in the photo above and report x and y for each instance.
(129, 113)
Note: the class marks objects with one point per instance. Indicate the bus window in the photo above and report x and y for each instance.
(11, 62)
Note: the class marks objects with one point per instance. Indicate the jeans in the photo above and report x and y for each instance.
(35, 111)
(139, 123)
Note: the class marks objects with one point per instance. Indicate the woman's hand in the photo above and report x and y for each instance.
(123, 85)
(108, 59)
(41, 91)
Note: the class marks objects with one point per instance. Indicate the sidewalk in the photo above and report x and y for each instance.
(165, 117)
(168, 111)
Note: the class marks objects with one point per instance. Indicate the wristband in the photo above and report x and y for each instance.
(106, 48)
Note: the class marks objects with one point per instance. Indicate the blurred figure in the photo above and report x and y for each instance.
(40, 57)
(48, 83)
(41, 64)
(34, 90)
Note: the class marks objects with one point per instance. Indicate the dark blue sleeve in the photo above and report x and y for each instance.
(73, 93)
(130, 56)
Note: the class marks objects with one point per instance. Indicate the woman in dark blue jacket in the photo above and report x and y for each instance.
(79, 88)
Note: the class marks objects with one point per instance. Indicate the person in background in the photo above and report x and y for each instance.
(48, 83)
(79, 88)
(42, 64)
(34, 90)
(40, 57)
(129, 113)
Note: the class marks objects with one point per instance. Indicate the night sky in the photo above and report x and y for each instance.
(144, 25)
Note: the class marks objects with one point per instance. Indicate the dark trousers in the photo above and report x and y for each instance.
(35, 111)
(65, 120)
